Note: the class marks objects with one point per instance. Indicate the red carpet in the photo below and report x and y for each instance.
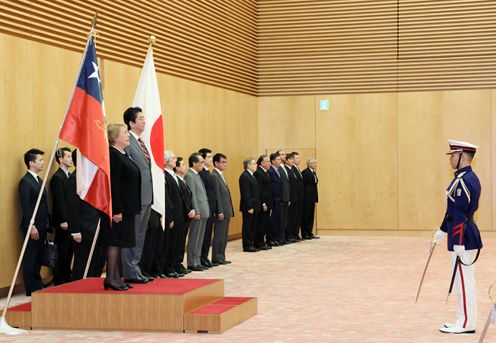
(157, 286)
(213, 309)
(232, 301)
(21, 308)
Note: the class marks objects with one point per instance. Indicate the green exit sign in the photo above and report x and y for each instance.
(324, 105)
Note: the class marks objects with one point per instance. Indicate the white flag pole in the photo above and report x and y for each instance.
(5, 328)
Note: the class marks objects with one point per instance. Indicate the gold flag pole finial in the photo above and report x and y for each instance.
(152, 39)
(93, 32)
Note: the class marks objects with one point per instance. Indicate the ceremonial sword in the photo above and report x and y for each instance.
(425, 269)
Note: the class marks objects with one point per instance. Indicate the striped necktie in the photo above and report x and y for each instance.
(145, 150)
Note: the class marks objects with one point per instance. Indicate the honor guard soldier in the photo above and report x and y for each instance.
(464, 241)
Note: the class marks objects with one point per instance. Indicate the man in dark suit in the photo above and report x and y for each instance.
(265, 187)
(275, 217)
(83, 221)
(250, 204)
(310, 198)
(285, 200)
(301, 193)
(224, 208)
(60, 216)
(212, 203)
(293, 198)
(174, 217)
(188, 214)
(135, 121)
(29, 189)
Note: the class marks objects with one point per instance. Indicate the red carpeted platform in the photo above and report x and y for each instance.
(20, 316)
(220, 315)
(158, 305)
(158, 286)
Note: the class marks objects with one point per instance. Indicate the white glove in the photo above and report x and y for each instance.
(459, 249)
(439, 235)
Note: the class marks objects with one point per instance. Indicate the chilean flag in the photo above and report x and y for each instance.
(85, 128)
(147, 97)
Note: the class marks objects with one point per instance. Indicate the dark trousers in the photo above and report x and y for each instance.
(62, 272)
(150, 262)
(207, 239)
(263, 225)
(81, 255)
(298, 216)
(31, 264)
(284, 221)
(171, 247)
(292, 217)
(275, 221)
(248, 229)
(182, 245)
(308, 218)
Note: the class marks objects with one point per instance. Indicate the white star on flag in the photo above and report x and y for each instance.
(95, 73)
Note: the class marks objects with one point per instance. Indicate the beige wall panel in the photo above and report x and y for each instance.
(287, 121)
(119, 86)
(493, 159)
(426, 120)
(357, 153)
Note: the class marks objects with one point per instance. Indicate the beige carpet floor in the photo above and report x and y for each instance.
(335, 289)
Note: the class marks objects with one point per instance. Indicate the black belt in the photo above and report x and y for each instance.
(467, 219)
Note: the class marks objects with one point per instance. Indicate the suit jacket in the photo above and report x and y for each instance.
(58, 187)
(83, 218)
(209, 187)
(276, 184)
(125, 182)
(222, 195)
(174, 203)
(299, 183)
(199, 193)
(286, 195)
(138, 156)
(293, 185)
(265, 187)
(250, 195)
(310, 182)
(186, 196)
(29, 189)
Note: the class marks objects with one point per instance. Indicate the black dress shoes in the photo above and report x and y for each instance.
(250, 249)
(142, 281)
(115, 287)
(195, 268)
(264, 247)
(312, 236)
(215, 263)
(172, 275)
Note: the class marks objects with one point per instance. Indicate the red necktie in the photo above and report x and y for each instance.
(143, 147)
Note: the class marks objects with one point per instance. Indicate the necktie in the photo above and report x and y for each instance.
(315, 176)
(38, 179)
(145, 150)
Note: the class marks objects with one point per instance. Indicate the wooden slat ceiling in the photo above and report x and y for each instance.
(353, 46)
(282, 47)
(209, 41)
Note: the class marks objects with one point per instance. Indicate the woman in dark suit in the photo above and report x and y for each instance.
(125, 183)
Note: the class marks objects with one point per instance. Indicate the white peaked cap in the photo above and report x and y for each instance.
(460, 146)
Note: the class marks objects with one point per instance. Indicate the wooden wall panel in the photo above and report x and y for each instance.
(286, 122)
(213, 42)
(356, 144)
(36, 85)
(425, 122)
(363, 46)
